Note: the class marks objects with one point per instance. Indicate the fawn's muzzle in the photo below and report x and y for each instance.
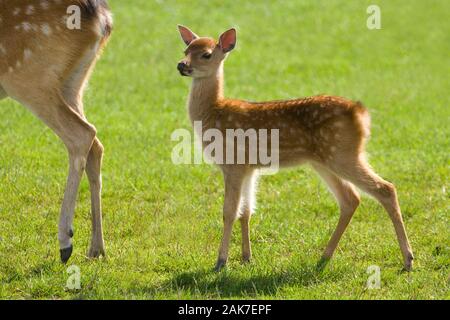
(183, 69)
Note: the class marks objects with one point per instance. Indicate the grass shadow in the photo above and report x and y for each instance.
(230, 283)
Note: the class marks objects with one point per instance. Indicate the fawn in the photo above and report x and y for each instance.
(44, 65)
(327, 132)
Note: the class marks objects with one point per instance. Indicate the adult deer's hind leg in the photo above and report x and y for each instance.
(348, 200)
(93, 171)
(78, 136)
(365, 178)
(73, 90)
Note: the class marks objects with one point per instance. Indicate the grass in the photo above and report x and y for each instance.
(163, 222)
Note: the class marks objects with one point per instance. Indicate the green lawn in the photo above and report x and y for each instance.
(163, 222)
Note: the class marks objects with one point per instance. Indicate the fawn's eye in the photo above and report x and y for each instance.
(206, 55)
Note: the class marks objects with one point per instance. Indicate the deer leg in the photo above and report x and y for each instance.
(365, 178)
(348, 200)
(233, 188)
(247, 206)
(78, 140)
(73, 90)
(93, 171)
(78, 136)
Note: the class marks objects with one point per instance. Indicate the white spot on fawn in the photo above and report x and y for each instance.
(30, 10)
(27, 54)
(16, 11)
(45, 28)
(26, 26)
(2, 49)
(44, 4)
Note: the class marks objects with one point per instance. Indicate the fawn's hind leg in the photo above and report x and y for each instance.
(348, 200)
(360, 173)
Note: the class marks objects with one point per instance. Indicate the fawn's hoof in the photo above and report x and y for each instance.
(65, 254)
(246, 259)
(221, 263)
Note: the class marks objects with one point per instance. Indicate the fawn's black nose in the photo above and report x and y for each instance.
(184, 69)
(181, 67)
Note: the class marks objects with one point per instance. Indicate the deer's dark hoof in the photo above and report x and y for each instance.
(246, 259)
(65, 254)
(409, 263)
(221, 263)
(96, 253)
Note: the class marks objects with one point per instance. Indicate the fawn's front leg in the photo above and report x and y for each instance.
(247, 207)
(233, 188)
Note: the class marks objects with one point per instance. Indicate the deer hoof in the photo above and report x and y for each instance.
(409, 263)
(65, 254)
(96, 253)
(246, 259)
(221, 263)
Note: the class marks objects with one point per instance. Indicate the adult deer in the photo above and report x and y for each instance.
(44, 65)
(325, 131)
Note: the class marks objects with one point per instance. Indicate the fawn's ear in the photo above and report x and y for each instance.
(227, 40)
(187, 35)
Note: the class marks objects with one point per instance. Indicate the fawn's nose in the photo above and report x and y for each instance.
(184, 69)
(181, 66)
